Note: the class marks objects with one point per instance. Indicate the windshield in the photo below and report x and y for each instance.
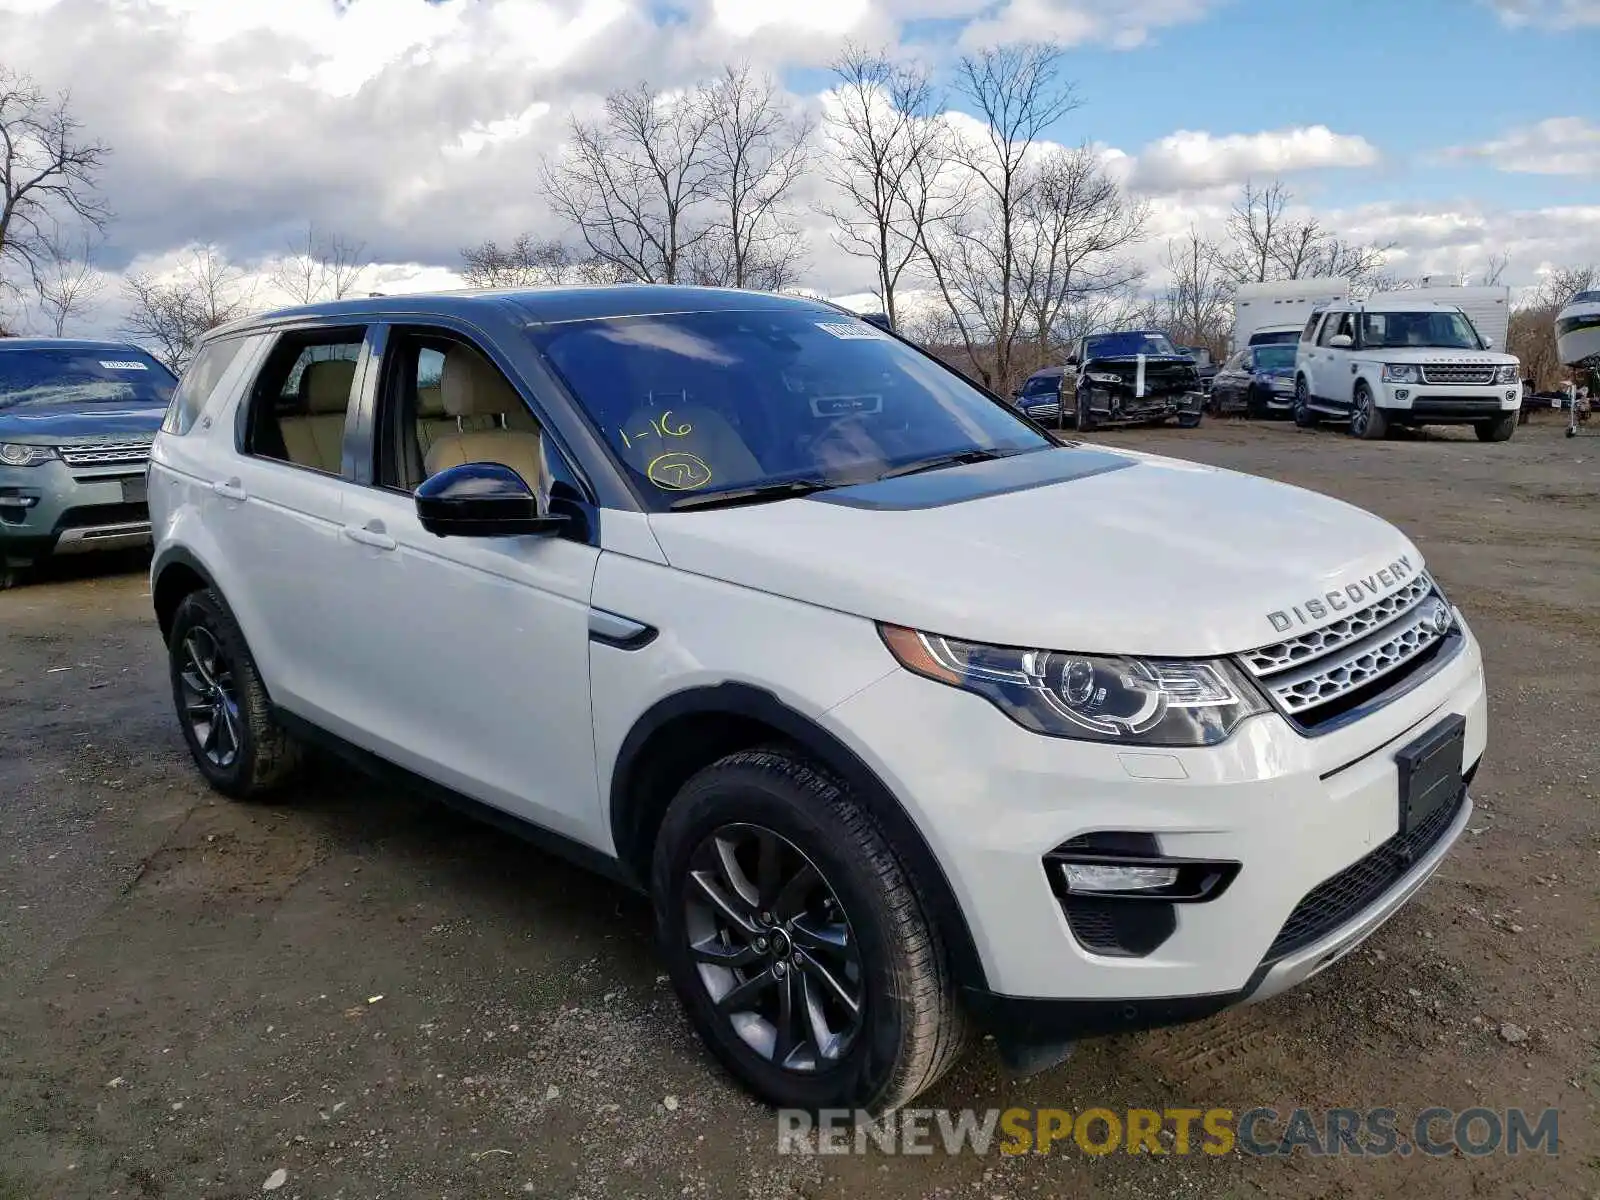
(109, 375)
(1119, 345)
(714, 401)
(1274, 358)
(1278, 337)
(1447, 330)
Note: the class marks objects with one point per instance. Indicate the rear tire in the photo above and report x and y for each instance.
(13, 573)
(221, 704)
(752, 953)
(1367, 420)
(1304, 415)
(1498, 430)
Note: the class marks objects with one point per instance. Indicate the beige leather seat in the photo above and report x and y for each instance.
(470, 387)
(707, 435)
(432, 423)
(315, 437)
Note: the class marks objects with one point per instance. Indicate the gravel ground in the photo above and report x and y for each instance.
(355, 993)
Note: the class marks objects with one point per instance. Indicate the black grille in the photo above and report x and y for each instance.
(103, 514)
(1336, 900)
(1121, 927)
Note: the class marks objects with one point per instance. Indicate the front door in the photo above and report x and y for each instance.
(474, 651)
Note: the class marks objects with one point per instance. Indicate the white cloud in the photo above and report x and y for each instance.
(1124, 24)
(1189, 159)
(1555, 146)
(1548, 14)
(742, 18)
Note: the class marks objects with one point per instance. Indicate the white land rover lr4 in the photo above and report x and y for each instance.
(1396, 362)
(911, 720)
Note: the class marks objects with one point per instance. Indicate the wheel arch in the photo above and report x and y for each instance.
(690, 730)
(174, 574)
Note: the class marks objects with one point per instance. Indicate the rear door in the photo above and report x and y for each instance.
(275, 509)
(473, 652)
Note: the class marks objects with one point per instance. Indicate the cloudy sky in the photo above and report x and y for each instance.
(1455, 128)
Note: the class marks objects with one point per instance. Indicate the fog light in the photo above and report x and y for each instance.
(1088, 878)
(1512, 395)
(1401, 393)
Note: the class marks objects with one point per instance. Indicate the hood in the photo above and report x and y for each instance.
(1277, 372)
(1063, 549)
(1433, 356)
(53, 424)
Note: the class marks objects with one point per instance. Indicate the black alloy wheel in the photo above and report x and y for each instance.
(222, 706)
(774, 948)
(208, 700)
(795, 938)
(1304, 415)
(1366, 418)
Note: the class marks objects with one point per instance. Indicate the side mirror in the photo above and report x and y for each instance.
(482, 499)
(1340, 341)
(1488, 343)
(1072, 360)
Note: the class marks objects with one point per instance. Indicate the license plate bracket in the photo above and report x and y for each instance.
(135, 491)
(1431, 771)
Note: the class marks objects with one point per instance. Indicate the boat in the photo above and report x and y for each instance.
(1578, 331)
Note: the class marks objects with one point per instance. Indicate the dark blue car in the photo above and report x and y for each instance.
(76, 422)
(1258, 380)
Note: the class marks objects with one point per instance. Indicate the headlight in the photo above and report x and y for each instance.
(19, 454)
(1104, 377)
(1134, 701)
(1402, 373)
(1509, 374)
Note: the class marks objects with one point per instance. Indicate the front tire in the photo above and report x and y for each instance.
(1367, 420)
(222, 706)
(797, 942)
(1304, 415)
(1085, 414)
(1255, 404)
(1498, 430)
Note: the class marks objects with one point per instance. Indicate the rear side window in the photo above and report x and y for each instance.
(300, 400)
(200, 379)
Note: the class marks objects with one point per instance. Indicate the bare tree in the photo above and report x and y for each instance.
(1531, 333)
(1196, 308)
(772, 265)
(47, 173)
(1266, 241)
(1076, 221)
(527, 262)
(976, 256)
(321, 266)
(884, 146)
(756, 151)
(172, 314)
(66, 282)
(630, 182)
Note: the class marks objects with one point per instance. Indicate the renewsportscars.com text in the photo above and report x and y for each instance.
(1262, 1132)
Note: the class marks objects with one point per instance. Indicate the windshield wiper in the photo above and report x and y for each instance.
(948, 460)
(758, 493)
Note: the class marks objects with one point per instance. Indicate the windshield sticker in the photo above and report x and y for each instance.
(123, 365)
(845, 406)
(853, 331)
(678, 471)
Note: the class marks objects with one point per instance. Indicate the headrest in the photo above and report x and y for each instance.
(430, 402)
(325, 386)
(471, 387)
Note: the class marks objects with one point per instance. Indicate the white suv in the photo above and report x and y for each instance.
(1413, 363)
(910, 719)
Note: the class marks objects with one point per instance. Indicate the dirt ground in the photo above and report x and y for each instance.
(380, 998)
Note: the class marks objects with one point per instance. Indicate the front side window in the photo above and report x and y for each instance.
(1336, 324)
(721, 401)
(36, 378)
(1443, 330)
(1120, 345)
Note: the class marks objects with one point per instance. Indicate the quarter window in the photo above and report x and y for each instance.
(200, 379)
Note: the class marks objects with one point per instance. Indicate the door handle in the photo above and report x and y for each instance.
(370, 534)
(229, 489)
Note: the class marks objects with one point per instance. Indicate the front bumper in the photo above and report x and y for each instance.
(1443, 404)
(993, 799)
(56, 509)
